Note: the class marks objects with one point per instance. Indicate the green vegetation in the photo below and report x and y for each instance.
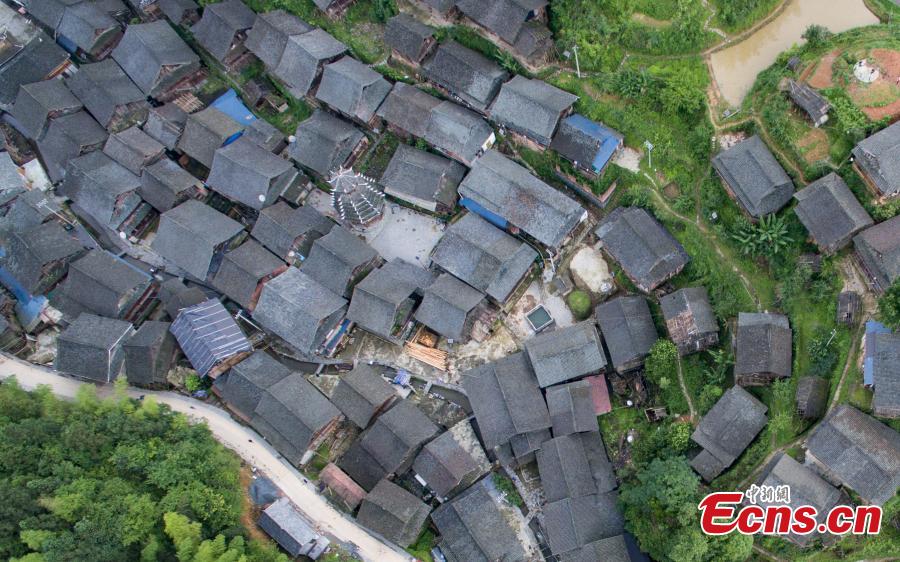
(661, 368)
(579, 303)
(360, 28)
(508, 489)
(660, 507)
(110, 480)
(604, 30)
(768, 237)
(738, 15)
(421, 549)
(889, 306)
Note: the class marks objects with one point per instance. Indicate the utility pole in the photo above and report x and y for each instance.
(577, 66)
(649, 146)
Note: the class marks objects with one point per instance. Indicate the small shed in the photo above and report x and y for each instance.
(848, 306)
(342, 486)
(812, 395)
(149, 353)
(409, 39)
(210, 338)
(244, 271)
(291, 530)
(810, 101)
(690, 320)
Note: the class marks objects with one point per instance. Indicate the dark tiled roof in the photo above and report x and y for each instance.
(572, 408)
(149, 354)
(302, 56)
(689, 318)
(269, 35)
(36, 103)
(335, 257)
(812, 396)
(422, 178)
(452, 461)
(612, 549)
(85, 24)
(379, 298)
(292, 412)
(879, 157)
(244, 385)
(102, 188)
(409, 109)
(466, 74)
(389, 446)
(299, 310)
(886, 372)
(279, 226)
(483, 256)
(28, 251)
(473, 528)
(154, 56)
(726, 430)
(164, 183)
(505, 188)
(166, 124)
(104, 284)
(205, 132)
(103, 88)
(221, 23)
(446, 306)
(241, 271)
(361, 393)
(190, 234)
(284, 523)
(572, 523)
(134, 149)
(459, 132)
(352, 88)
(807, 488)
(531, 107)
(91, 347)
(393, 513)
(588, 144)
(879, 249)
(645, 250)
(830, 212)
(178, 11)
(566, 353)
(628, 329)
(564, 469)
(754, 175)
(812, 102)
(29, 57)
(504, 18)
(324, 142)
(859, 451)
(208, 335)
(763, 345)
(68, 137)
(408, 36)
(506, 399)
(247, 173)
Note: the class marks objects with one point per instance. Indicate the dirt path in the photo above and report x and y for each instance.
(713, 240)
(766, 554)
(687, 395)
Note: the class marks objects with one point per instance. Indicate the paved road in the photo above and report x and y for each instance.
(242, 440)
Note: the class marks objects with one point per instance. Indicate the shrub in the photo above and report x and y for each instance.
(580, 304)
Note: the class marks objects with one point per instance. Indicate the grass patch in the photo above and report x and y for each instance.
(421, 549)
(508, 489)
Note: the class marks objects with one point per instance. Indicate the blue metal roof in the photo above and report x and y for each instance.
(873, 328)
(609, 139)
(208, 335)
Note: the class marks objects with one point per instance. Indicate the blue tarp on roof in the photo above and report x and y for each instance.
(609, 139)
(489, 216)
(231, 105)
(873, 328)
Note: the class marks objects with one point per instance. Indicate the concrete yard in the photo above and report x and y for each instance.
(405, 234)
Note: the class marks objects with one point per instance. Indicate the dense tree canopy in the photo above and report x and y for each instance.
(889, 306)
(94, 479)
(660, 506)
